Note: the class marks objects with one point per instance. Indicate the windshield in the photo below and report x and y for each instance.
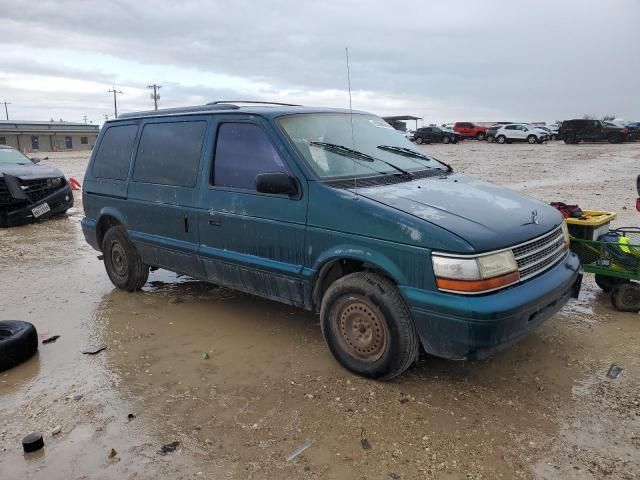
(9, 155)
(319, 136)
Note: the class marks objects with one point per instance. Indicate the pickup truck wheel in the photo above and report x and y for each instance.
(122, 261)
(368, 327)
(532, 139)
(480, 136)
(446, 139)
(18, 343)
(418, 140)
(626, 297)
(501, 139)
(616, 138)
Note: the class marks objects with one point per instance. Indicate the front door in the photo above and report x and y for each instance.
(252, 241)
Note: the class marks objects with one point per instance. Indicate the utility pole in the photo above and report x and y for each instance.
(155, 96)
(6, 110)
(84, 117)
(106, 117)
(115, 100)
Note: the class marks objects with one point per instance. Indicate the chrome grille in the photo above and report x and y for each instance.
(539, 254)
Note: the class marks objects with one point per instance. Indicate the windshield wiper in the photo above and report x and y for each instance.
(350, 152)
(407, 152)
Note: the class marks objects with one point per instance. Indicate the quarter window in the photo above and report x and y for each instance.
(169, 153)
(114, 153)
(243, 151)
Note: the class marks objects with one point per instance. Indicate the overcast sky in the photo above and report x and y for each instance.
(444, 61)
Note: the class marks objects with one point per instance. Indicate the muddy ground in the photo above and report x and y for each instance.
(542, 409)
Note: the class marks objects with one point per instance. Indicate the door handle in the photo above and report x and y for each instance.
(214, 219)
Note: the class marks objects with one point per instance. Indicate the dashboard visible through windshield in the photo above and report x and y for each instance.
(333, 149)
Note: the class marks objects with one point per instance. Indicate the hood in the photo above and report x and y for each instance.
(29, 172)
(487, 216)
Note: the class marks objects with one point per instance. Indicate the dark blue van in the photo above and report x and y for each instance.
(332, 211)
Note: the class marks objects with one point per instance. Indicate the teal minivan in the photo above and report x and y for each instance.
(332, 211)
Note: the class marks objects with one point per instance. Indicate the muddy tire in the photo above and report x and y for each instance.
(368, 327)
(626, 297)
(122, 261)
(607, 284)
(18, 343)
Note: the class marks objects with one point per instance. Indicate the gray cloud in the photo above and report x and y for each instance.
(521, 60)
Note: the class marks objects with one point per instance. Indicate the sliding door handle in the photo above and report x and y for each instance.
(214, 219)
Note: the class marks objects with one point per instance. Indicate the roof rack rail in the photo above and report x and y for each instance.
(218, 102)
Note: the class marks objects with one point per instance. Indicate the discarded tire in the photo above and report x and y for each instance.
(18, 343)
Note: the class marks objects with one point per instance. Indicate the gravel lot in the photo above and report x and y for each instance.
(542, 409)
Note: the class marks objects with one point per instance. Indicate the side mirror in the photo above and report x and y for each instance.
(46, 158)
(35, 159)
(276, 183)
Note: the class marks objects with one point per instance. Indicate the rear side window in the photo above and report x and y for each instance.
(114, 154)
(243, 151)
(169, 153)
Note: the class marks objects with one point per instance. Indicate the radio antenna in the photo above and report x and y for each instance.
(353, 142)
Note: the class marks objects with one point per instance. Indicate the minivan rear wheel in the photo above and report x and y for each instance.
(122, 261)
(368, 327)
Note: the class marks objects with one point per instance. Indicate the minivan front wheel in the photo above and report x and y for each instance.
(122, 261)
(368, 327)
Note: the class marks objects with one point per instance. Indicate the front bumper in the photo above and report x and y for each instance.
(59, 202)
(472, 327)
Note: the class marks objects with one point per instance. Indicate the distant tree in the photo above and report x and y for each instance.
(608, 117)
(587, 116)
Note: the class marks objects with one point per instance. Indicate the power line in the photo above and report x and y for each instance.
(155, 96)
(115, 100)
(6, 110)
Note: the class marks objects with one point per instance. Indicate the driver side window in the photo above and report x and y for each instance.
(243, 150)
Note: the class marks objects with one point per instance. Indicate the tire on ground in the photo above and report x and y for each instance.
(626, 297)
(18, 343)
(372, 299)
(122, 261)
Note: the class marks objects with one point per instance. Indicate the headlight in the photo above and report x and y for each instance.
(565, 234)
(54, 182)
(476, 274)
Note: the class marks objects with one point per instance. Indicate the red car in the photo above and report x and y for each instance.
(470, 130)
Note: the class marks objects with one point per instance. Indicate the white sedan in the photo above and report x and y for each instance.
(520, 132)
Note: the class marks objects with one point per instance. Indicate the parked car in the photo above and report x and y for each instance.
(553, 128)
(521, 132)
(334, 212)
(435, 134)
(29, 191)
(490, 134)
(634, 131)
(578, 130)
(470, 130)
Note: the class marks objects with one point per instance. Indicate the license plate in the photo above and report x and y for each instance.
(41, 210)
